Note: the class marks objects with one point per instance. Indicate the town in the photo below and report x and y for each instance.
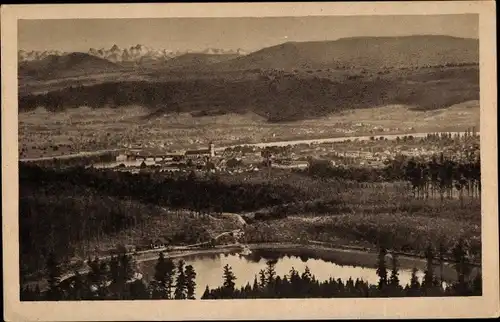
(371, 152)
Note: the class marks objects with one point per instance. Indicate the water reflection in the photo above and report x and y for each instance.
(209, 267)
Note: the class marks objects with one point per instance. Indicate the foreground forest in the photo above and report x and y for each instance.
(407, 205)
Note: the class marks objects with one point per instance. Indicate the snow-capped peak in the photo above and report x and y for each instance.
(135, 53)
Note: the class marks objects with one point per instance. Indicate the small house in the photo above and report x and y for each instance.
(159, 243)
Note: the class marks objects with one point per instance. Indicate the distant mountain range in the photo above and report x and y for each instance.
(73, 64)
(287, 82)
(138, 53)
(345, 53)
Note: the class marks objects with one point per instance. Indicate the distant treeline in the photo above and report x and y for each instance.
(74, 161)
(185, 191)
(277, 99)
(436, 176)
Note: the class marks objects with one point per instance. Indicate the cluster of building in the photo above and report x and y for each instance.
(372, 152)
(135, 154)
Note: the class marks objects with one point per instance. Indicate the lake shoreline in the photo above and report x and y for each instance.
(339, 255)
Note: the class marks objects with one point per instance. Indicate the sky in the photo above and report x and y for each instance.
(249, 34)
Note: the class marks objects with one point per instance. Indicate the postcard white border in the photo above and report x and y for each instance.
(485, 306)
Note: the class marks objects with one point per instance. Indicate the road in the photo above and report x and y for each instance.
(332, 140)
(173, 252)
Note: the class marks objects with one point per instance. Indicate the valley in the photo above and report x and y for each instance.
(301, 148)
(44, 134)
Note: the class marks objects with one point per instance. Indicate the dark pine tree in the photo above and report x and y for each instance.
(442, 253)
(229, 278)
(462, 267)
(169, 277)
(163, 278)
(77, 291)
(53, 278)
(477, 284)
(262, 279)
(255, 286)
(382, 269)
(103, 289)
(127, 268)
(428, 282)
(114, 270)
(394, 279)
(190, 282)
(306, 283)
(37, 294)
(180, 285)
(414, 289)
(270, 272)
(138, 290)
(206, 293)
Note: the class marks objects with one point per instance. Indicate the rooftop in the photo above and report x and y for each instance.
(202, 151)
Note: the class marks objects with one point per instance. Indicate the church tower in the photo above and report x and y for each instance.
(211, 149)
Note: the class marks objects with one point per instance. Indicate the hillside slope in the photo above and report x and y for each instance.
(366, 52)
(197, 60)
(66, 65)
(290, 97)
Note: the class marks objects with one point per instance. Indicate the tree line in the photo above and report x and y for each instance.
(443, 176)
(173, 190)
(295, 285)
(114, 280)
(439, 176)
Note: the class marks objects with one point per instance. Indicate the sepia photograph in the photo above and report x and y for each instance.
(202, 158)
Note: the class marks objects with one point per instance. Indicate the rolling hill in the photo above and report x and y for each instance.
(362, 52)
(424, 72)
(286, 98)
(72, 64)
(198, 60)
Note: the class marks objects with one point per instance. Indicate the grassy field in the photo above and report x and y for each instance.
(43, 133)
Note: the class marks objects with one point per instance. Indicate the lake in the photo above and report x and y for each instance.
(209, 268)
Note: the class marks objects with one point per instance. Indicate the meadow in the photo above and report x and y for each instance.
(43, 133)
